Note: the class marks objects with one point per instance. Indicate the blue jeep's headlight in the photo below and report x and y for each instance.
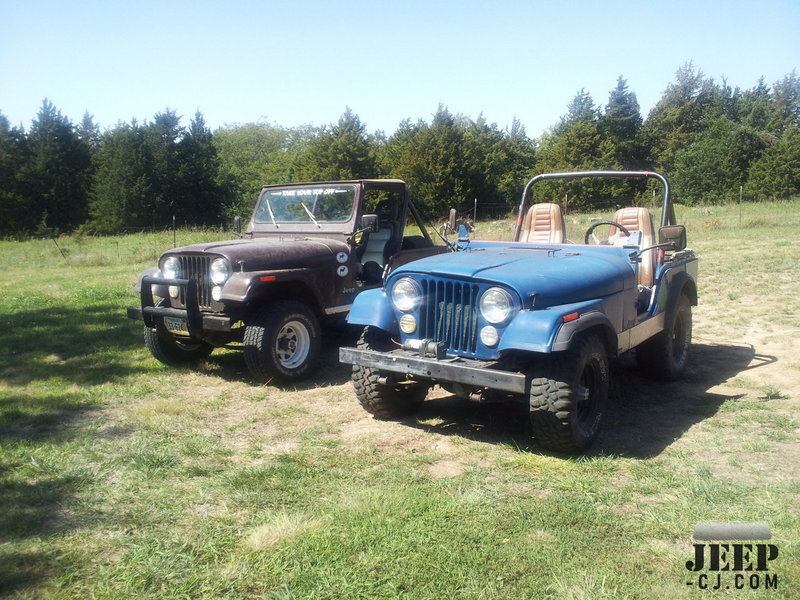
(496, 305)
(171, 268)
(406, 294)
(219, 271)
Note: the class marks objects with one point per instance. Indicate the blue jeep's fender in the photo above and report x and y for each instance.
(372, 307)
(546, 331)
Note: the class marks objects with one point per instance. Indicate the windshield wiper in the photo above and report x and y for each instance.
(271, 216)
(305, 208)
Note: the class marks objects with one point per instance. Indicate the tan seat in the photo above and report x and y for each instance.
(544, 224)
(638, 219)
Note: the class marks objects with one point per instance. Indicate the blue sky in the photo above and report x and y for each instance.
(302, 61)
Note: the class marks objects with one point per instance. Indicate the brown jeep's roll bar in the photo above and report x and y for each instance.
(667, 210)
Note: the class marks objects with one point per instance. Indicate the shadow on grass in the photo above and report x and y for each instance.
(82, 345)
(643, 419)
(31, 510)
(329, 371)
(34, 417)
(50, 358)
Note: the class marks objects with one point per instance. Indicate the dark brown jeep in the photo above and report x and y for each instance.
(306, 252)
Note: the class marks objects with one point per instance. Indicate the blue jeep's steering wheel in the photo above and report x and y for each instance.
(594, 226)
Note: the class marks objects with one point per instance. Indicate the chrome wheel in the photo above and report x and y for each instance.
(292, 344)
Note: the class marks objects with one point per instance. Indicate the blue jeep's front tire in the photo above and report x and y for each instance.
(377, 392)
(568, 395)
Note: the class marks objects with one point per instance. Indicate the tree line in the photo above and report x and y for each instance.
(713, 141)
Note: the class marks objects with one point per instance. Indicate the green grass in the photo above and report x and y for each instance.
(121, 478)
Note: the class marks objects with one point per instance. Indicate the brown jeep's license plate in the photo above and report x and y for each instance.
(176, 325)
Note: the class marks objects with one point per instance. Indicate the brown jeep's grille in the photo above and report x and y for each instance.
(450, 313)
(197, 268)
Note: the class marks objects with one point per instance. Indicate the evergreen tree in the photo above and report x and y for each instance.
(785, 103)
(713, 167)
(253, 155)
(621, 123)
(161, 140)
(510, 163)
(677, 116)
(435, 160)
(122, 196)
(88, 133)
(776, 174)
(755, 107)
(342, 151)
(57, 172)
(201, 196)
(582, 147)
(14, 213)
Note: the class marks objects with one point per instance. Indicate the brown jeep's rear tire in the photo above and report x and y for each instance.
(384, 400)
(568, 395)
(174, 351)
(665, 356)
(282, 341)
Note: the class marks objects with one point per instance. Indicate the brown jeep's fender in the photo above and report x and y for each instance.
(259, 286)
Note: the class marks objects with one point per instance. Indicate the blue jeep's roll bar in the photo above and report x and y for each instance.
(667, 210)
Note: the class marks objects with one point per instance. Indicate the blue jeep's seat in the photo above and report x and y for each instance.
(544, 224)
(637, 218)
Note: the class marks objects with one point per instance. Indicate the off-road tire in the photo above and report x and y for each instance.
(568, 395)
(665, 356)
(384, 401)
(282, 341)
(171, 350)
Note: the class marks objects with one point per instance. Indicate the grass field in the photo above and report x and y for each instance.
(121, 478)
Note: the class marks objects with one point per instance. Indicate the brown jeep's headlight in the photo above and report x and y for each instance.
(219, 271)
(406, 294)
(171, 268)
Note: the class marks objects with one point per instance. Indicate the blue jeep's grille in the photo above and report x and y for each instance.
(450, 314)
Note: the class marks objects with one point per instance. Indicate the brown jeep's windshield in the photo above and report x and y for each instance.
(312, 204)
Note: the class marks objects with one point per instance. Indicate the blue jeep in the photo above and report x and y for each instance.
(536, 319)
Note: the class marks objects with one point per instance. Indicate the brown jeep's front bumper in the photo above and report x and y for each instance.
(463, 371)
(153, 315)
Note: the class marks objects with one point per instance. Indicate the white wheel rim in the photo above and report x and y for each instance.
(292, 344)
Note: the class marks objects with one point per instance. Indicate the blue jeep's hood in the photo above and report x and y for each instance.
(558, 275)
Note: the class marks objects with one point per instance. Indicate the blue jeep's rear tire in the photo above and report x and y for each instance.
(665, 356)
(568, 395)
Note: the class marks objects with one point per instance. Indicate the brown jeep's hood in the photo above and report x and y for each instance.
(288, 252)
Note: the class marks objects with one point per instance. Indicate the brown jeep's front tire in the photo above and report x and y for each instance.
(568, 395)
(665, 355)
(173, 351)
(282, 341)
(384, 400)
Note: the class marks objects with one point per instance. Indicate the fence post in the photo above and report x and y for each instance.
(740, 205)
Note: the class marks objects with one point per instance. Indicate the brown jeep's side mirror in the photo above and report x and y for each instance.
(452, 220)
(674, 234)
(370, 223)
(237, 225)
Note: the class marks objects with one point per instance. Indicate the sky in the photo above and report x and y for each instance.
(304, 62)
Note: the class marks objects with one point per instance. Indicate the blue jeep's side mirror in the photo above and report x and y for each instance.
(673, 234)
